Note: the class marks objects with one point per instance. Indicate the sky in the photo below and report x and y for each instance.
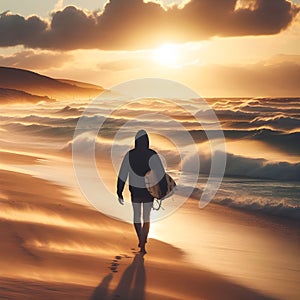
(233, 48)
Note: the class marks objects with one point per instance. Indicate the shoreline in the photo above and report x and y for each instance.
(47, 221)
(37, 253)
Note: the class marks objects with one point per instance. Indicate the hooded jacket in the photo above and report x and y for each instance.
(136, 163)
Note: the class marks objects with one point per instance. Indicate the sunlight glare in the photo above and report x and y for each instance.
(167, 54)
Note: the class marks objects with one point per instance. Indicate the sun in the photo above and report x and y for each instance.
(167, 54)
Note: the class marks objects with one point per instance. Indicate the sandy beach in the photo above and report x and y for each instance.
(99, 98)
(55, 247)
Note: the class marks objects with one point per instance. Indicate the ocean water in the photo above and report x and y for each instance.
(280, 198)
(262, 140)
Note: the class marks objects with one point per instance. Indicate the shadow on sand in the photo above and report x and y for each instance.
(203, 284)
(131, 285)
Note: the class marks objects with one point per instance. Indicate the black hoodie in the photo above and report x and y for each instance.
(136, 163)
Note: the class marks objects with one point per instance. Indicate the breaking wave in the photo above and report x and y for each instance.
(281, 209)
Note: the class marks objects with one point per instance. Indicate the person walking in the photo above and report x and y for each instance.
(136, 163)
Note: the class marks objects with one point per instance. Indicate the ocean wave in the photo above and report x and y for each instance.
(274, 113)
(281, 209)
(247, 195)
(55, 132)
(242, 166)
(289, 142)
(279, 122)
(70, 111)
(40, 120)
(261, 168)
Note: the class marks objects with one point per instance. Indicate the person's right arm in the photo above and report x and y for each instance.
(122, 177)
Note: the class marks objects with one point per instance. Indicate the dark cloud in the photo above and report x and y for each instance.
(134, 24)
(16, 30)
(30, 59)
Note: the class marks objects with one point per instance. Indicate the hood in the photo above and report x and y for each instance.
(141, 140)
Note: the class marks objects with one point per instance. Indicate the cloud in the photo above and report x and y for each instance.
(283, 58)
(123, 64)
(37, 60)
(16, 30)
(261, 79)
(59, 5)
(135, 24)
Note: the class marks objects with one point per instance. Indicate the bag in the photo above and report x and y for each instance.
(153, 186)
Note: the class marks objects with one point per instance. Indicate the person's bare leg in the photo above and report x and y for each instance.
(137, 220)
(146, 225)
(138, 230)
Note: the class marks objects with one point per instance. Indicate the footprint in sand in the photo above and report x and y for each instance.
(115, 262)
